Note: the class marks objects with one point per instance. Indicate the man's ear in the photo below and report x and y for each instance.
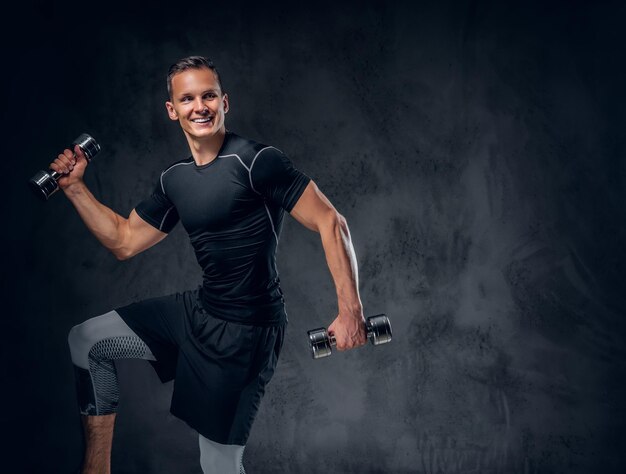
(170, 110)
(226, 104)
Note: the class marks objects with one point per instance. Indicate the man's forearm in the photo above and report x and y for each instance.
(343, 266)
(104, 223)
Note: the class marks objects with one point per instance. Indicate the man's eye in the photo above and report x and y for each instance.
(210, 96)
(185, 99)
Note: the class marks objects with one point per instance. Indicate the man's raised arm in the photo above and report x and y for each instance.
(315, 211)
(124, 237)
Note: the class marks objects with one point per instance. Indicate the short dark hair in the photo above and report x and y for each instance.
(191, 62)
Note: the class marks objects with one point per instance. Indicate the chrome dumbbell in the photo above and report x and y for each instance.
(44, 183)
(378, 332)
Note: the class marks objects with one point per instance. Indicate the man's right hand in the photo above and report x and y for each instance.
(71, 165)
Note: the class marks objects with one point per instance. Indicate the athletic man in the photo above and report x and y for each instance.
(221, 341)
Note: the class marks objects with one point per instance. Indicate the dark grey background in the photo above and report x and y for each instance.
(477, 152)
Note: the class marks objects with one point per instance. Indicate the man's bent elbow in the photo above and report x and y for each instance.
(122, 248)
(122, 254)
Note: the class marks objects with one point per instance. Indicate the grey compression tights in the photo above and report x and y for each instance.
(94, 345)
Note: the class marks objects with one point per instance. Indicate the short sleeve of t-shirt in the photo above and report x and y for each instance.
(275, 178)
(158, 210)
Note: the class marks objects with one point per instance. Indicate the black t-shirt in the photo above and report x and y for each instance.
(232, 208)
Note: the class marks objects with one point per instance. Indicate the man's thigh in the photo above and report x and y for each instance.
(163, 324)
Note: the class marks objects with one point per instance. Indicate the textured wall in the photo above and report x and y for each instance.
(477, 151)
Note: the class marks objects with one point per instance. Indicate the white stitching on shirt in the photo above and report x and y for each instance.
(271, 221)
(252, 164)
(173, 166)
(164, 217)
(252, 185)
(239, 158)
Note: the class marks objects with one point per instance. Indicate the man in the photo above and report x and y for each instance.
(220, 341)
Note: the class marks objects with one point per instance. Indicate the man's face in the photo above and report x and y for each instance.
(197, 103)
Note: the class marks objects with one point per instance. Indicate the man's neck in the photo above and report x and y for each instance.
(206, 150)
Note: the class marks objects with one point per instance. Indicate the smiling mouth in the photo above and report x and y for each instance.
(202, 120)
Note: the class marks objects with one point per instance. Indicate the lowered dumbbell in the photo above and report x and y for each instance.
(44, 183)
(378, 332)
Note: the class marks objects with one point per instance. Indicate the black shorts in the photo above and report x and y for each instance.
(221, 367)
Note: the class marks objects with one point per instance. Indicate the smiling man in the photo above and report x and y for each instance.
(221, 340)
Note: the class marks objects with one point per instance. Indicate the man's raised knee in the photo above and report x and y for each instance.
(80, 341)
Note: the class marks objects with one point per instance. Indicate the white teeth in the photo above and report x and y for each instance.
(202, 120)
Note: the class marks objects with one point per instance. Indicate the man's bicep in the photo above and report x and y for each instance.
(313, 208)
(141, 234)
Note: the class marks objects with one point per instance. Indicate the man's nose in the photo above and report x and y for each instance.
(199, 105)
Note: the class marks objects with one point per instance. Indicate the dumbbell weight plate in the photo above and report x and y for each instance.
(319, 343)
(88, 144)
(379, 329)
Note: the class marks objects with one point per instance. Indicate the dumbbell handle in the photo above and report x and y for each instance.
(333, 341)
(56, 175)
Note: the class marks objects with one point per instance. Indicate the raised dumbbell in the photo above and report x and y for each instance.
(44, 183)
(378, 332)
